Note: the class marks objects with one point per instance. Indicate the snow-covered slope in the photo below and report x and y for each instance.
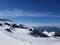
(13, 34)
(7, 40)
(24, 39)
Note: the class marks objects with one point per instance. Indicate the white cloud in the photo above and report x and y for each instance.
(16, 13)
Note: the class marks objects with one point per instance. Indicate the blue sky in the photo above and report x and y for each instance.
(31, 12)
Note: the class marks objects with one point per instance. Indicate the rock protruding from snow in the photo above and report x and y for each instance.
(9, 25)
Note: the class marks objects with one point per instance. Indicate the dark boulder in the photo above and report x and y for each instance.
(15, 26)
(42, 34)
(57, 34)
(23, 26)
(38, 32)
(30, 29)
(8, 30)
(7, 24)
(0, 24)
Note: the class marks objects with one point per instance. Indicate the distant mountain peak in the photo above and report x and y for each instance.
(4, 19)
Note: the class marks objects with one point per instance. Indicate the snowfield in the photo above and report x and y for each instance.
(7, 40)
(22, 36)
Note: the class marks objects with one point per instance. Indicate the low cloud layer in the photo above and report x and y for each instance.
(16, 13)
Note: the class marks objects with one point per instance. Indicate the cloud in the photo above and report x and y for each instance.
(17, 13)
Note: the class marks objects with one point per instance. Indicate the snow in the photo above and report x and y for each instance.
(9, 22)
(21, 36)
(50, 34)
(7, 40)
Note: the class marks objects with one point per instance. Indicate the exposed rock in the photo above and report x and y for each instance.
(0, 24)
(8, 30)
(15, 26)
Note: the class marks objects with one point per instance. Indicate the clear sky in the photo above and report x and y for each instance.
(31, 12)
